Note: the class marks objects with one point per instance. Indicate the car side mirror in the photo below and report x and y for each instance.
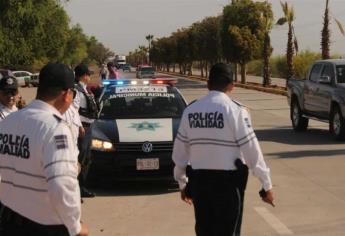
(324, 79)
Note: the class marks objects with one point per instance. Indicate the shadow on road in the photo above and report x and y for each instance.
(315, 137)
(134, 188)
(287, 136)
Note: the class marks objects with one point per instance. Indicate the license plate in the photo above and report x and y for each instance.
(148, 164)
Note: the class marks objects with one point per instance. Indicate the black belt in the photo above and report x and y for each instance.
(85, 124)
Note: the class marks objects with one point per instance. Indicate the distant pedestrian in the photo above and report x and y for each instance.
(113, 73)
(103, 72)
(215, 137)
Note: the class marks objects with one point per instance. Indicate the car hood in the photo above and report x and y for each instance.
(135, 130)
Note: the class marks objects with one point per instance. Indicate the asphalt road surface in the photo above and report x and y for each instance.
(307, 173)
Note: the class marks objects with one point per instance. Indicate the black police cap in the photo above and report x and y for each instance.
(221, 73)
(56, 75)
(8, 83)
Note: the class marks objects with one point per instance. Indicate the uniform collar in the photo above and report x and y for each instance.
(41, 105)
(83, 85)
(2, 107)
(217, 93)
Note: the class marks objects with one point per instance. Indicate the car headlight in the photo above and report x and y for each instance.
(97, 144)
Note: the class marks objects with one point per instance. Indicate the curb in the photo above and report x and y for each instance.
(253, 86)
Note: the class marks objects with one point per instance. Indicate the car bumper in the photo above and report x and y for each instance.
(123, 166)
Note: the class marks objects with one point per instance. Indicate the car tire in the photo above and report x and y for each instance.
(337, 124)
(299, 123)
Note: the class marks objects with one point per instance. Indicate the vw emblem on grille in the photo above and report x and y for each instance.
(147, 147)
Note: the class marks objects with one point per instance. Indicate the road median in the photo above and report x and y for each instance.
(249, 85)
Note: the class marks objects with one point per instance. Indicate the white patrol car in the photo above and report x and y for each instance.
(133, 137)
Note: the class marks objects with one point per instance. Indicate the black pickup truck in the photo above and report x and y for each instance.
(321, 96)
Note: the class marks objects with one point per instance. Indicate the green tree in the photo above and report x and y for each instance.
(76, 48)
(243, 32)
(292, 46)
(97, 52)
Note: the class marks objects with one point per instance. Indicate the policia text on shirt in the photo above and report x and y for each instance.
(15, 145)
(215, 139)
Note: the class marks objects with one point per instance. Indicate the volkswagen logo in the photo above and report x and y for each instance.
(147, 147)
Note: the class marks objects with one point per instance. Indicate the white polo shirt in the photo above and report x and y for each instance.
(214, 132)
(5, 111)
(38, 167)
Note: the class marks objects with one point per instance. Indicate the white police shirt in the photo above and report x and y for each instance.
(5, 111)
(38, 167)
(71, 116)
(214, 132)
(81, 101)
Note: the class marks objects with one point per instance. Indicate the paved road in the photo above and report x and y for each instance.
(307, 172)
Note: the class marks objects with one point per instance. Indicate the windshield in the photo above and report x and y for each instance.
(142, 105)
(147, 69)
(340, 74)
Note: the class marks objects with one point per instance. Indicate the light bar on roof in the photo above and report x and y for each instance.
(138, 81)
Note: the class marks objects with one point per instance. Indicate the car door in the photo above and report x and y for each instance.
(310, 100)
(323, 91)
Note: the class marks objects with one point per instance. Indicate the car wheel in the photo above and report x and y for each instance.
(337, 124)
(299, 123)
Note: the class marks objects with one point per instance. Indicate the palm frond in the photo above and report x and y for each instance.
(340, 26)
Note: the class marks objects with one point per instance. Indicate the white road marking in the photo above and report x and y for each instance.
(273, 221)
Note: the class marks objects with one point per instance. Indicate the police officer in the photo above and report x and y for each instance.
(38, 163)
(215, 132)
(8, 96)
(84, 101)
(86, 105)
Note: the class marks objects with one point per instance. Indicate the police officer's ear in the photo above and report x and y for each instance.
(230, 87)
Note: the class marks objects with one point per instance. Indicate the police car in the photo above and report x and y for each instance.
(133, 137)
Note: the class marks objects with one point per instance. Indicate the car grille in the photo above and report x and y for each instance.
(137, 147)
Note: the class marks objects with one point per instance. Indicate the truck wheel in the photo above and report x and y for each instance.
(299, 123)
(337, 124)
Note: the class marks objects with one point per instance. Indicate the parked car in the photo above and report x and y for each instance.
(133, 137)
(5, 72)
(23, 77)
(321, 97)
(34, 79)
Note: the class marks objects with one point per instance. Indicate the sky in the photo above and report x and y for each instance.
(122, 25)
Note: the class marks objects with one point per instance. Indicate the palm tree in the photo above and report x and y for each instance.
(325, 34)
(292, 46)
(267, 50)
(149, 39)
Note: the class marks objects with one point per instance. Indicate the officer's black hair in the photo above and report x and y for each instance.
(48, 93)
(220, 77)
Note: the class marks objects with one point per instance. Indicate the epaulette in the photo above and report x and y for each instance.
(241, 105)
(58, 118)
(238, 103)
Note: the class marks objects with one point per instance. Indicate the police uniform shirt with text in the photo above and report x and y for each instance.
(214, 132)
(5, 111)
(38, 167)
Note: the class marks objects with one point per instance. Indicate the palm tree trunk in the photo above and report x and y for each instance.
(243, 73)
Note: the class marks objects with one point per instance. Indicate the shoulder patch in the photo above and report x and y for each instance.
(61, 141)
